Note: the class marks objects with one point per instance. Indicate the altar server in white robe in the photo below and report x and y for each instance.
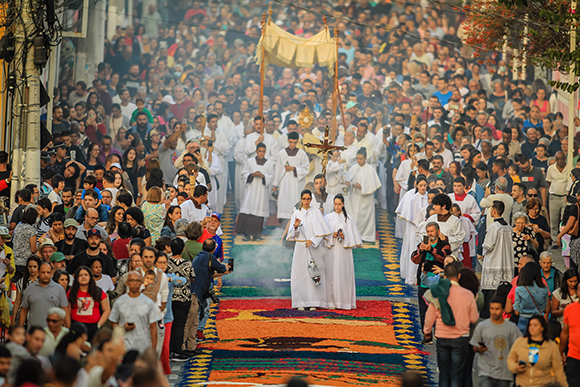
(253, 139)
(221, 147)
(408, 213)
(498, 253)
(322, 199)
(257, 176)
(401, 177)
(465, 201)
(349, 155)
(291, 169)
(335, 174)
(240, 158)
(215, 169)
(339, 264)
(308, 229)
(364, 181)
(449, 224)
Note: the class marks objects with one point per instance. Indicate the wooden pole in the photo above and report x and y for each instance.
(262, 73)
(335, 90)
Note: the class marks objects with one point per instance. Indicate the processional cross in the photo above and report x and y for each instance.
(325, 148)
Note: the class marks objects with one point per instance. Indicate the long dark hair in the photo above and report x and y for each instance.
(168, 222)
(111, 222)
(57, 274)
(341, 198)
(542, 320)
(26, 276)
(76, 330)
(94, 291)
(530, 275)
(468, 280)
(570, 273)
(135, 166)
(30, 371)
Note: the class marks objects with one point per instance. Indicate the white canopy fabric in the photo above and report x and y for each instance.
(286, 50)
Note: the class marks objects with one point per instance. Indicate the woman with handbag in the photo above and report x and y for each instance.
(531, 295)
(571, 228)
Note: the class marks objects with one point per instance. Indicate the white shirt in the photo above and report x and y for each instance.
(558, 180)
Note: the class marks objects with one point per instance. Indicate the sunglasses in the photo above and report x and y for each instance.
(533, 195)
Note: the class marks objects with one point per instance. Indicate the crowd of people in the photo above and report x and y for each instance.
(114, 254)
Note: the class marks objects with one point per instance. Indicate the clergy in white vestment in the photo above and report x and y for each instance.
(465, 201)
(498, 252)
(253, 139)
(195, 133)
(408, 213)
(339, 264)
(349, 155)
(449, 224)
(290, 171)
(322, 199)
(221, 147)
(215, 169)
(257, 175)
(308, 229)
(196, 209)
(364, 181)
(240, 159)
(282, 141)
(335, 174)
(367, 140)
(401, 178)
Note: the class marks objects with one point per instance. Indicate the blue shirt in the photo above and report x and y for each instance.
(524, 303)
(443, 98)
(175, 281)
(201, 266)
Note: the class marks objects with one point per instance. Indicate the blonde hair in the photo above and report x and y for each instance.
(154, 195)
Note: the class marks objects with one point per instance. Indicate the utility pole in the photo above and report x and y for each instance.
(26, 123)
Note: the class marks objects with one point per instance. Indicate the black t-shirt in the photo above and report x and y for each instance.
(574, 213)
(543, 225)
(17, 214)
(77, 246)
(533, 179)
(5, 175)
(82, 258)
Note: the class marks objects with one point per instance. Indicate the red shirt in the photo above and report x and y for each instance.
(572, 319)
(119, 247)
(85, 310)
(204, 236)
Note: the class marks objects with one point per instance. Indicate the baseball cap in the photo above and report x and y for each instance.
(351, 104)
(5, 234)
(57, 257)
(47, 243)
(168, 99)
(93, 232)
(216, 215)
(116, 165)
(70, 223)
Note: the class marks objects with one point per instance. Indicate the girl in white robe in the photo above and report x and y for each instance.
(364, 181)
(339, 264)
(401, 177)
(308, 229)
(408, 213)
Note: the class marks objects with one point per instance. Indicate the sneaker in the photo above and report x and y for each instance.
(199, 336)
(301, 308)
(258, 239)
(246, 238)
(193, 353)
(180, 357)
(427, 341)
(554, 247)
(312, 308)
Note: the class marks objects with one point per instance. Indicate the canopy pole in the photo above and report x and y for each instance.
(262, 72)
(335, 90)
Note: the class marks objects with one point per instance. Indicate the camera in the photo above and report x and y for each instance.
(209, 143)
(213, 297)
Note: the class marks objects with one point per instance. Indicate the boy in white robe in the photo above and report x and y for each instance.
(257, 175)
(465, 201)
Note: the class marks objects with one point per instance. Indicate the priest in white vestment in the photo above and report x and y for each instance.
(335, 174)
(240, 159)
(253, 139)
(339, 264)
(257, 175)
(498, 253)
(363, 181)
(221, 147)
(449, 224)
(308, 229)
(291, 169)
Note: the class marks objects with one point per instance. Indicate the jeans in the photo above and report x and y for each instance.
(422, 305)
(523, 324)
(573, 371)
(204, 310)
(451, 356)
(488, 381)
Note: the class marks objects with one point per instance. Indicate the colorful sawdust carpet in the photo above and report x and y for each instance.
(263, 341)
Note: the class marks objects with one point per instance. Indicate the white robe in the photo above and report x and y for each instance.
(408, 213)
(240, 158)
(191, 213)
(215, 169)
(289, 185)
(498, 256)
(335, 178)
(470, 235)
(468, 207)
(269, 141)
(221, 148)
(402, 178)
(305, 293)
(349, 154)
(451, 228)
(361, 202)
(339, 264)
(257, 194)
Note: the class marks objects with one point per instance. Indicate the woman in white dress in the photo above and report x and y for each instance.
(364, 181)
(308, 229)
(408, 213)
(339, 264)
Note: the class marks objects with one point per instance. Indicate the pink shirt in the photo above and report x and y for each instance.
(464, 310)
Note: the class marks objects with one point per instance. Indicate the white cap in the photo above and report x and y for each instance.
(117, 165)
(168, 99)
